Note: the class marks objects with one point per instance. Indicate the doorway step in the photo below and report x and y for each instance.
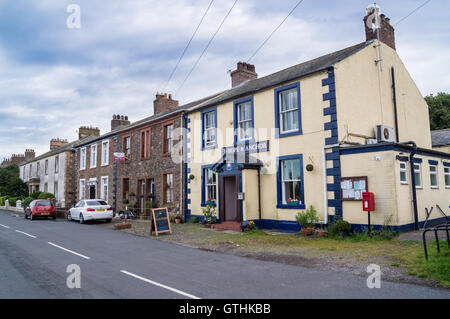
(228, 225)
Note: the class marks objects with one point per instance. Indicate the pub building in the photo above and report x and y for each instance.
(319, 133)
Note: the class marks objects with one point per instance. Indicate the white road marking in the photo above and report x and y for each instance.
(70, 251)
(4, 226)
(22, 232)
(160, 285)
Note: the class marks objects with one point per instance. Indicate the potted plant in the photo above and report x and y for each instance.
(292, 202)
(178, 219)
(211, 202)
(208, 212)
(307, 220)
(341, 227)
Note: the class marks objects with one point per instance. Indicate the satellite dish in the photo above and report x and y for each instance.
(373, 20)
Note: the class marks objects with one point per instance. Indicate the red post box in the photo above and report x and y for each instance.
(368, 200)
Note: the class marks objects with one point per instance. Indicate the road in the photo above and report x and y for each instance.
(34, 256)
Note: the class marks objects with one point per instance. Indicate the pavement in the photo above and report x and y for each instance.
(34, 256)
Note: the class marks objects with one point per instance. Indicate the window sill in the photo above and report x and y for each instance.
(209, 147)
(434, 187)
(287, 134)
(285, 206)
(419, 187)
(404, 183)
(204, 205)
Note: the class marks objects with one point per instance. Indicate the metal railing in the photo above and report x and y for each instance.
(445, 228)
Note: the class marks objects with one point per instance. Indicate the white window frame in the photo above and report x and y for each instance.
(169, 137)
(239, 122)
(283, 181)
(56, 164)
(82, 189)
(105, 156)
(206, 185)
(103, 183)
(46, 162)
(83, 158)
(93, 158)
(169, 188)
(405, 170)
(418, 171)
(287, 111)
(435, 173)
(213, 129)
(55, 190)
(447, 173)
(45, 187)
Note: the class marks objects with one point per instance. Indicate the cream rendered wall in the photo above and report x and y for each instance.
(309, 144)
(364, 97)
(380, 171)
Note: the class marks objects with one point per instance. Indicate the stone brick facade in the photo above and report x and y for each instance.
(152, 168)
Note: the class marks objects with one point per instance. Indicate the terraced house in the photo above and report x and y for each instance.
(318, 133)
(53, 171)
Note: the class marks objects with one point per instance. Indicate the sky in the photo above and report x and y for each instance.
(54, 79)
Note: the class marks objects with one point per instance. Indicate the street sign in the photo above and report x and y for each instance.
(160, 221)
(119, 157)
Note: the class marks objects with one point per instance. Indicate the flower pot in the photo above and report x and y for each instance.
(207, 225)
(307, 231)
(293, 203)
(321, 232)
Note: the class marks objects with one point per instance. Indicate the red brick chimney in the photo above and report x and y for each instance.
(244, 72)
(56, 142)
(387, 34)
(164, 102)
(118, 121)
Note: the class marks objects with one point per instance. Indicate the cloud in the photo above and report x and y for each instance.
(54, 79)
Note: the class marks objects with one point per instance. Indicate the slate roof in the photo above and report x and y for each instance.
(294, 72)
(440, 137)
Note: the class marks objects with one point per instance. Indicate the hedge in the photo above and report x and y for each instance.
(45, 195)
(3, 199)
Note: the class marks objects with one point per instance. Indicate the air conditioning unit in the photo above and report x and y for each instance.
(384, 133)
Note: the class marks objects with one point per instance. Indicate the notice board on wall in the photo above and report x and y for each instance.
(353, 187)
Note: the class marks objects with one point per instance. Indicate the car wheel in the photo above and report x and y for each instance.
(54, 217)
(25, 216)
(81, 219)
(69, 217)
(108, 220)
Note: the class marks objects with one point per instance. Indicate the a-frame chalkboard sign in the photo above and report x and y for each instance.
(160, 221)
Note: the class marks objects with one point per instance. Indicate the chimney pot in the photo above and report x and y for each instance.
(387, 32)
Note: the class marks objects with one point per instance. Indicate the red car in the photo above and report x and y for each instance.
(40, 208)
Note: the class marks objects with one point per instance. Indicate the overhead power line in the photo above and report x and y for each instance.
(275, 30)
(187, 46)
(416, 9)
(206, 47)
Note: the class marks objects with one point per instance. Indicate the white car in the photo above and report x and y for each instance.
(90, 209)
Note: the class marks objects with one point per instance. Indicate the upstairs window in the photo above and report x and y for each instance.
(46, 167)
(287, 110)
(145, 143)
(105, 153)
(209, 129)
(127, 147)
(93, 156)
(168, 138)
(38, 164)
(244, 120)
(447, 176)
(56, 164)
(83, 158)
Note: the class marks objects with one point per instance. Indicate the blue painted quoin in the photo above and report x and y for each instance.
(332, 156)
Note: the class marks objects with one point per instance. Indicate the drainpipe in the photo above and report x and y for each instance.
(413, 181)
(395, 105)
(182, 171)
(259, 195)
(325, 188)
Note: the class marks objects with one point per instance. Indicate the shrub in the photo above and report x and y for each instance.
(339, 226)
(35, 195)
(3, 199)
(45, 195)
(308, 218)
(194, 219)
(13, 201)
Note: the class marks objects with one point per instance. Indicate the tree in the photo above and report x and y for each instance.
(439, 109)
(10, 183)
